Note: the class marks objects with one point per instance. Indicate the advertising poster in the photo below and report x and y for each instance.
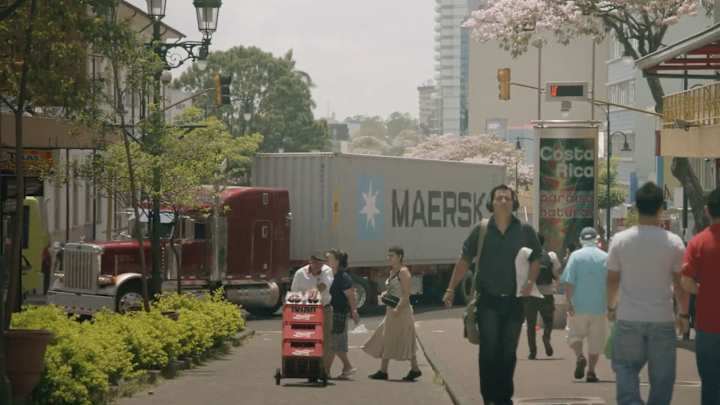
(567, 166)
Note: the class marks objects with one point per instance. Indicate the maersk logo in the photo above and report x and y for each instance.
(370, 216)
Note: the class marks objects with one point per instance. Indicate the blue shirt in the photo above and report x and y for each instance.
(586, 271)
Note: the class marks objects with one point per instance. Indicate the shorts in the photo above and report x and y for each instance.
(339, 338)
(590, 327)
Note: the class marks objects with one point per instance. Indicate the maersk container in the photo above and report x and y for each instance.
(363, 204)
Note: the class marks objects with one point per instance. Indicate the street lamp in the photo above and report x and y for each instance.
(207, 18)
(625, 148)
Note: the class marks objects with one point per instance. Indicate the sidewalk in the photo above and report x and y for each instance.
(245, 376)
(540, 380)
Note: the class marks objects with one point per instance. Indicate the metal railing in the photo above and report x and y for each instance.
(699, 106)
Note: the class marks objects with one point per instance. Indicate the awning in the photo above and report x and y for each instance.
(695, 57)
(51, 133)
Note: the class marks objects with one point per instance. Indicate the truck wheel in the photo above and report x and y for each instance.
(362, 292)
(129, 298)
(464, 289)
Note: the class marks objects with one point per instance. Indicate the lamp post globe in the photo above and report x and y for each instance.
(156, 8)
(207, 15)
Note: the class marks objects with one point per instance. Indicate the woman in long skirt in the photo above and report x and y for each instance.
(394, 339)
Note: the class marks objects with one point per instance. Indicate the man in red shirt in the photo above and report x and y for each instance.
(701, 276)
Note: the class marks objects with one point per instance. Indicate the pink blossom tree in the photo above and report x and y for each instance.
(639, 25)
(478, 149)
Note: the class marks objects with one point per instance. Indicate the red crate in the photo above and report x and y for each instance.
(293, 313)
(294, 348)
(303, 332)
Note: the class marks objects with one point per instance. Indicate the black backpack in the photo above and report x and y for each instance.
(546, 275)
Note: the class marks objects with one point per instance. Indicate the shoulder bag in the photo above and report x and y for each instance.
(471, 331)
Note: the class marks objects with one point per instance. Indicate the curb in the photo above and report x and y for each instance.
(438, 374)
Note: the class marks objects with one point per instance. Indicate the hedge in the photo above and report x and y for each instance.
(86, 358)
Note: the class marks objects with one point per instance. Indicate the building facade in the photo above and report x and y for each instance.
(429, 108)
(626, 85)
(452, 62)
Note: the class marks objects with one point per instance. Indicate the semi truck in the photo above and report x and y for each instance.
(299, 203)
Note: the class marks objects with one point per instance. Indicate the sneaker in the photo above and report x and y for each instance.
(580, 365)
(412, 375)
(345, 375)
(591, 377)
(532, 356)
(379, 375)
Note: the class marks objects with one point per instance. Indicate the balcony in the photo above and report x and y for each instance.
(691, 123)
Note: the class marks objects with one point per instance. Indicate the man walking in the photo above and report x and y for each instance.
(644, 263)
(701, 276)
(318, 276)
(549, 272)
(499, 310)
(585, 282)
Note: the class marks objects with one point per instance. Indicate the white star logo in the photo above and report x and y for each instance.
(370, 209)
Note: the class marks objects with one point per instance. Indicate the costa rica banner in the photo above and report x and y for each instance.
(566, 183)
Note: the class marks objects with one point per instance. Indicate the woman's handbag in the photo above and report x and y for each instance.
(390, 300)
(470, 330)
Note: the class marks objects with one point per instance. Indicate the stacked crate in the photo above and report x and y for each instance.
(302, 339)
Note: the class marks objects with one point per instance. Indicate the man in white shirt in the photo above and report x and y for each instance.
(316, 275)
(644, 264)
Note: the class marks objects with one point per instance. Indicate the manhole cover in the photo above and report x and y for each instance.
(561, 401)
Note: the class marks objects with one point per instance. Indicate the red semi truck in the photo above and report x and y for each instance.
(300, 203)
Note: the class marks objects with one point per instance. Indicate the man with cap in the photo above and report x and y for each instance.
(585, 282)
(318, 276)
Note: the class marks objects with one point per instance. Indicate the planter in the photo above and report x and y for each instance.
(25, 354)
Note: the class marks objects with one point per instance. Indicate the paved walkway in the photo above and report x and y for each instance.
(245, 376)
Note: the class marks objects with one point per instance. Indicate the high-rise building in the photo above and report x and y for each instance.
(429, 111)
(452, 61)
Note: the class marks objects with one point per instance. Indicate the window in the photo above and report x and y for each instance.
(622, 92)
(75, 202)
(89, 202)
(57, 216)
(617, 50)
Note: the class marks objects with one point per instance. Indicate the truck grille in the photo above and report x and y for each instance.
(80, 267)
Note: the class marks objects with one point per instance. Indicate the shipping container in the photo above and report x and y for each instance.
(363, 204)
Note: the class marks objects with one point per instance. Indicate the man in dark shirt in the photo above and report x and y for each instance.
(499, 310)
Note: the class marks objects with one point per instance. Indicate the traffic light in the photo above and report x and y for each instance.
(222, 89)
(503, 76)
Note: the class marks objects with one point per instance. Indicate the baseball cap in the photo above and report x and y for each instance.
(588, 233)
(318, 256)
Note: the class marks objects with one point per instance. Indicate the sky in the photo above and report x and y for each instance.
(365, 57)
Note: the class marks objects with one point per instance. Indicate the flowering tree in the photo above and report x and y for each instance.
(479, 149)
(639, 25)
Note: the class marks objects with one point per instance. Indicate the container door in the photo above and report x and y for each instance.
(262, 248)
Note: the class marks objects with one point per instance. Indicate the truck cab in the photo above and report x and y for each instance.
(244, 249)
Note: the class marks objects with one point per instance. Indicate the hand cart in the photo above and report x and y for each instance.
(302, 339)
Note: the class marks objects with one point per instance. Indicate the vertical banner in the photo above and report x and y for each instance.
(566, 183)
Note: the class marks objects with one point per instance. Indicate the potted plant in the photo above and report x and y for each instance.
(25, 356)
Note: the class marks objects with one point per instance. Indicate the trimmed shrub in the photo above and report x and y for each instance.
(86, 358)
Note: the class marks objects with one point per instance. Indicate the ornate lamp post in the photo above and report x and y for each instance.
(207, 19)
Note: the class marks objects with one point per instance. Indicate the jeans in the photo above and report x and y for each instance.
(707, 357)
(499, 322)
(546, 307)
(634, 345)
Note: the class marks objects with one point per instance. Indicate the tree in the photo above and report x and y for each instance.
(639, 25)
(479, 149)
(398, 122)
(45, 39)
(270, 89)
(617, 193)
(372, 127)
